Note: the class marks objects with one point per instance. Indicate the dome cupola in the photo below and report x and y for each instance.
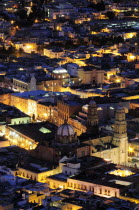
(66, 134)
(65, 130)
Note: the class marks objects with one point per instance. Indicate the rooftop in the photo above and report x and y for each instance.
(41, 131)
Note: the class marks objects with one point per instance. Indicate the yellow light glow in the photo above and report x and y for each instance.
(130, 149)
(36, 21)
(28, 46)
(12, 21)
(60, 186)
(131, 57)
(122, 173)
(130, 35)
(118, 80)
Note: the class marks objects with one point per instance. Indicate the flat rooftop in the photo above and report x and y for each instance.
(42, 131)
(108, 176)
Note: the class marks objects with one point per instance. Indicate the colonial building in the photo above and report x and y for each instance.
(52, 144)
(92, 143)
(65, 137)
(66, 109)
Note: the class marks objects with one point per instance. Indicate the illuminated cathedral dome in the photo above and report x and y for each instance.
(60, 70)
(65, 130)
(66, 134)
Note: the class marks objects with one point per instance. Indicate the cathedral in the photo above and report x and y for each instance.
(110, 147)
(66, 143)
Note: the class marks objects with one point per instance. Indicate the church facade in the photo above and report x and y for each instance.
(112, 147)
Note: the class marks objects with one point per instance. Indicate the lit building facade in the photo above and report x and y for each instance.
(19, 139)
(113, 148)
(40, 176)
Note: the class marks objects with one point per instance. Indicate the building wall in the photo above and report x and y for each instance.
(20, 120)
(5, 98)
(18, 139)
(100, 77)
(65, 111)
(20, 103)
(60, 75)
(43, 112)
(68, 170)
(2, 130)
(51, 85)
(44, 152)
(36, 198)
(69, 206)
(31, 107)
(82, 94)
(100, 190)
(83, 151)
(52, 54)
(54, 184)
(4, 143)
(40, 177)
(78, 126)
(133, 150)
(89, 77)
(72, 69)
(27, 47)
(117, 155)
(109, 154)
(134, 105)
(19, 85)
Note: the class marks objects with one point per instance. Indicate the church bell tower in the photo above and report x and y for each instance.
(92, 116)
(120, 136)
